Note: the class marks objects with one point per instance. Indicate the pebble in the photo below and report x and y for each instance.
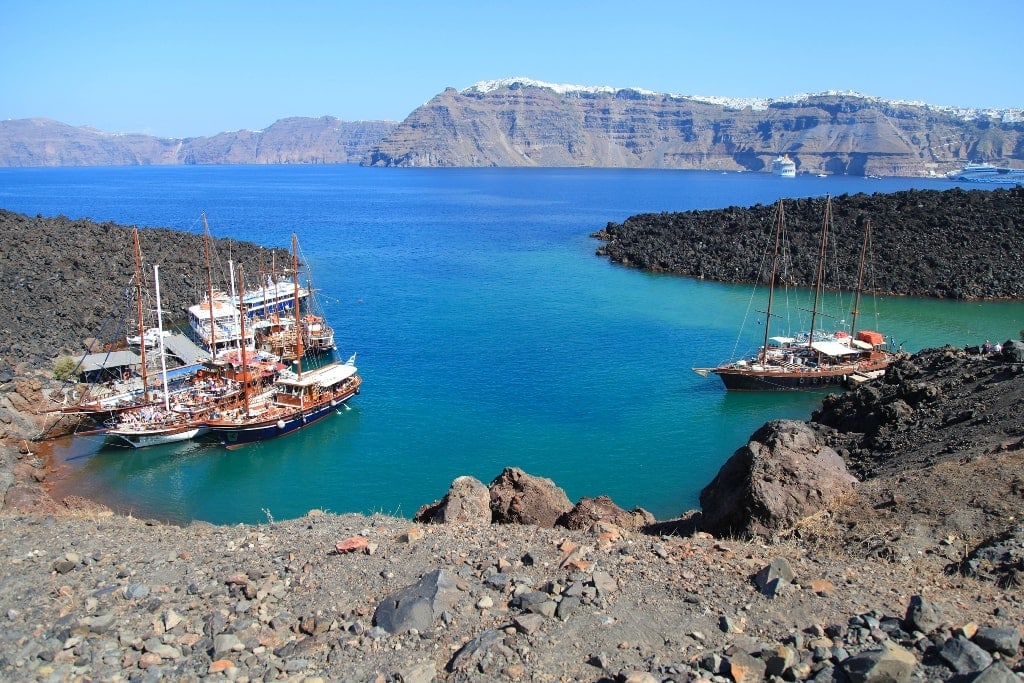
(136, 591)
(302, 612)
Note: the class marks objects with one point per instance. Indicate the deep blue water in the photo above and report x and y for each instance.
(488, 334)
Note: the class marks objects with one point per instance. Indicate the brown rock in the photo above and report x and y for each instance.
(148, 659)
(520, 498)
(468, 501)
(79, 504)
(890, 664)
(782, 476)
(528, 623)
(221, 665)
(26, 498)
(352, 544)
(590, 511)
(237, 579)
(746, 668)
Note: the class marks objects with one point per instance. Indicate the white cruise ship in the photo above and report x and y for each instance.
(988, 173)
(784, 167)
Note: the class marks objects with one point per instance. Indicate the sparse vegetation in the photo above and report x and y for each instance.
(64, 368)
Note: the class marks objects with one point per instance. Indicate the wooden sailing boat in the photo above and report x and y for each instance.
(217, 386)
(153, 424)
(298, 400)
(819, 361)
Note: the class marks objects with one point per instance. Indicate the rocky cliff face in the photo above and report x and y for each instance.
(519, 122)
(326, 140)
(525, 123)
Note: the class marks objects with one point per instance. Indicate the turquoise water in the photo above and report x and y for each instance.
(488, 334)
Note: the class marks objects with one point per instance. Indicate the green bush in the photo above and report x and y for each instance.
(64, 369)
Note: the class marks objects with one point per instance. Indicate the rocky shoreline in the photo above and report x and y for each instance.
(64, 280)
(955, 244)
(879, 541)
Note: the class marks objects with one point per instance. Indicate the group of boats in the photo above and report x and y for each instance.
(974, 172)
(253, 385)
(815, 358)
(270, 367)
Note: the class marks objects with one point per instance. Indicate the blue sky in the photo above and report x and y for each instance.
(183, 68)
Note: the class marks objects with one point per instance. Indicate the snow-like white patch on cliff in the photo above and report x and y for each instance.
(754, 103)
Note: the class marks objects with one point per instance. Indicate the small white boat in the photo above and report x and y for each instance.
(151, 337)
(151, 434)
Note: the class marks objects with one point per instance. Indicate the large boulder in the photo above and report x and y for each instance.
(468, 501)
(1013, 351)
(590, 511)
(783, 475)
(418, 606)
(521, 498)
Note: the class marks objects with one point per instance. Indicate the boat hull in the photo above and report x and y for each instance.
(754, 378)
(233, 436)
(749, 380)
(142, 438)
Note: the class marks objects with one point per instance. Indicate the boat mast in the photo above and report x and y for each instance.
(160, 327)
(295, 303)
(209, 289)
(245, 365)
(138, 302)
(820, 283)
(234, 296)
(860, 278)
(771, 282)
(265, 315)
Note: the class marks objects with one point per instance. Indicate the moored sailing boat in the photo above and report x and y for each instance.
(816, 360)
(152, 425)
(299, 399)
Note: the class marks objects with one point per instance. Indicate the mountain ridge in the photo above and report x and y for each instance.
(326, 139)
(521, 122)
(524, 122)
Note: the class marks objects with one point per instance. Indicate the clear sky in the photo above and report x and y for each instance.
(183, 68)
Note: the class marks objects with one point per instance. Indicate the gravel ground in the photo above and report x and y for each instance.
(915, 576)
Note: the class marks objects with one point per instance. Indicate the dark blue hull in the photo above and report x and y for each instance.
(240, 435)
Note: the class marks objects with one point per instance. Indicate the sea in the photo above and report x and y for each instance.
(488, 334)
